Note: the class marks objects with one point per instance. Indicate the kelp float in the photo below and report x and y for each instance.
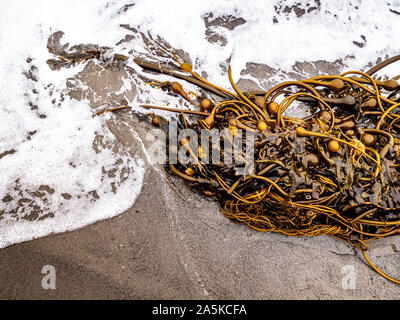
(335, 172)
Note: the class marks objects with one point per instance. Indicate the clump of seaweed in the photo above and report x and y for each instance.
(335, 172)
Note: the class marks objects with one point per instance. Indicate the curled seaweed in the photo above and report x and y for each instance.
(335, 172)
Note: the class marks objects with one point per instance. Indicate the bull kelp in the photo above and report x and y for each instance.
(333, 172)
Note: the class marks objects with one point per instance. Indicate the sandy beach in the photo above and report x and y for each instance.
(172, 243)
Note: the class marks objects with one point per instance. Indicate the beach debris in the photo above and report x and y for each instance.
(335, 172)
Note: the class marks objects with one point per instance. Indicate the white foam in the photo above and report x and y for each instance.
(334, 30)
(327, 33)
(54, 180)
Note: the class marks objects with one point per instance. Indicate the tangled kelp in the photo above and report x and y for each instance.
(334, 172)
